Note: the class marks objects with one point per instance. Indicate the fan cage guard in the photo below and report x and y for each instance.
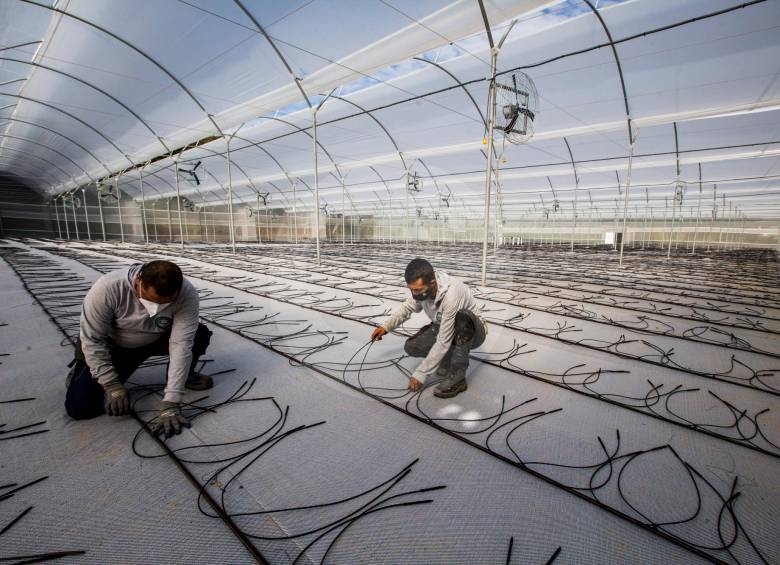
(516, 103)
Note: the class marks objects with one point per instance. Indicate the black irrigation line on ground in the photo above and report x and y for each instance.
(30, 267)
(664, 357)
(501, 268)
(696, 334)
(9, 491)
(468, 268)
(656, 272)
(653, 354)
(236, 464)
(20, 431)
(651, 267)
(599, 298)
(598, 476)
(193, 410)
(747, 429)
(497, 276)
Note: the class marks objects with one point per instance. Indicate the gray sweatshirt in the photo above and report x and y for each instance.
(452, 295)
(112, 314)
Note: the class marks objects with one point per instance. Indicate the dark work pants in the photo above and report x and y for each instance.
(468, 331)
(84, 397)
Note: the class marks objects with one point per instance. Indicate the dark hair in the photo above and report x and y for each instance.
(163, 276)
(418, 269)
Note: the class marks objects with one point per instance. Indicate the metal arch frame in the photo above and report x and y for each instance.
(77, 144)
(484, 122)
(576, 186)
(313, 137)
(268, 38)
(30, 170)
(395, 145)
(379, 123)
(74, 142)
(459, 83)
(257, 145)
(619, 67)
(270, 156)
(97, 89)
(150, 174)
(390, 200)
(676, 185)
(392, 140)
(79, 120)
(18, 45)
(26, 154)
(314, 110)
(221, 186)
(632, 135)
(134, 48)
(5, 135)
(297, 130)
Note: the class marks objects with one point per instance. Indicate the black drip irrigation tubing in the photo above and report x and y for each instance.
(501, 270)
(378, 504)
(655, 528)
(589, 296)
(643, 404)
(691, 334)
(573, 285)
(608, 347)
(228, 521)
(497, 276)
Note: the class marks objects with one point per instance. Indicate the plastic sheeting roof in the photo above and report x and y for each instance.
(89, 89)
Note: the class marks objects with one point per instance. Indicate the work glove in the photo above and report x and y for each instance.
(170, 421)
(377, 334)
(117, 398)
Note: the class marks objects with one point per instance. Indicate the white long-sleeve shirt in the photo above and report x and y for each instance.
(113, 314)
(452, 295)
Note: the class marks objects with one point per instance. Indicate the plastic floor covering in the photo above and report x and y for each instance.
(612, 416)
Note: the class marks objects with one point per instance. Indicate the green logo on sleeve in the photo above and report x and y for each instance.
(163, 322)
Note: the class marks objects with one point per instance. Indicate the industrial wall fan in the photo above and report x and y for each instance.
(516, 105)
(191, 175)
(107, 193)
(71, 200)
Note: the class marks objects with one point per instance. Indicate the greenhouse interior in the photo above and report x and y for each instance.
(448, 282)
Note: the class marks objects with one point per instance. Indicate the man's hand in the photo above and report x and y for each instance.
(170, 421)
(378, 333)
(414, 384)
(117, 398)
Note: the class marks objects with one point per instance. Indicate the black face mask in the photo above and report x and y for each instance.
(426, 295)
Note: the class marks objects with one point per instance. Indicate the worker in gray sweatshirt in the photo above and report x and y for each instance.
(454, 330)
(128, 316)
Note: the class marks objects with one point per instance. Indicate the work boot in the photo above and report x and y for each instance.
(198, 381)
(455, 383)
(450, 387)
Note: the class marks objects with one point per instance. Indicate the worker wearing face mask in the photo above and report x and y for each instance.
(454, 330)
(128, 316)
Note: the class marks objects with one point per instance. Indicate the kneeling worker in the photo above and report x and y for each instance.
(455, 327)
(128, 316)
